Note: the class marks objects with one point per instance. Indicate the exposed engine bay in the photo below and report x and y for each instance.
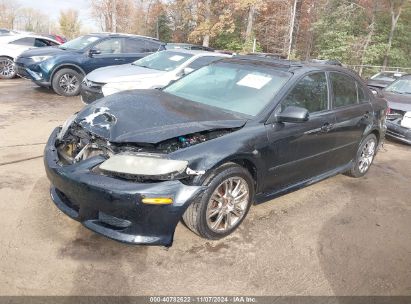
(78, 144)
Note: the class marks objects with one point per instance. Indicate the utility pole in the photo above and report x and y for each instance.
(293, 15)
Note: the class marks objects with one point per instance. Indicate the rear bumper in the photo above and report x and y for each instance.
(395, 130)
(113, 207)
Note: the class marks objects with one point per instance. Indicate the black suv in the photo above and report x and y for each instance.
(63, 68)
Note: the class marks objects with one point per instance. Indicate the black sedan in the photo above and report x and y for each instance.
(398, 96)
(204, 149)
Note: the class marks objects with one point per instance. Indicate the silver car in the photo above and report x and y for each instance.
(154, 71)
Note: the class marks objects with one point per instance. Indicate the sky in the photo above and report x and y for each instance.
(52, 9)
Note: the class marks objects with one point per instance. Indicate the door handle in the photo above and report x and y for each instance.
(327, 127)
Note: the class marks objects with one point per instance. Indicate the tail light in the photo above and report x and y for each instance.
(388, 111)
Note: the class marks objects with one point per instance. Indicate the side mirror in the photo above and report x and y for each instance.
(376, 92)
(93, 52)
(187, 71)
(293, 114)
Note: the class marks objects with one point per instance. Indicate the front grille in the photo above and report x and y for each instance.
(113, 221)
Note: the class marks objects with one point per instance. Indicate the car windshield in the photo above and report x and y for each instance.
(401, 86)
(79, 43)
(164, 60)
(384, 76)
(239, 88)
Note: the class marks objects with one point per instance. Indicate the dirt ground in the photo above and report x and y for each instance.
(342, 236)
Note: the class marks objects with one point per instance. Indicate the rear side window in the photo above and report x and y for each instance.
(344, 90)
(28, 41)
(202, 61)
(43, 42)
(310, 93)
(362, 96)
(133, 46)
(151, 46)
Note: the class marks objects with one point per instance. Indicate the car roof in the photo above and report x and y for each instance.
(406, 76)
(197, 52)
(290, 65)
(110, 34)
(10, 38)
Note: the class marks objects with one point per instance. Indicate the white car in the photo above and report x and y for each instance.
(11, 46)
(152, 72)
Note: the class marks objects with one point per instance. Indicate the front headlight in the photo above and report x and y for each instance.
(39, 58)
(149, 167)
(114, 87)
(65, 126)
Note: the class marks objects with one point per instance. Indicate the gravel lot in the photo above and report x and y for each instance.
(342, 236)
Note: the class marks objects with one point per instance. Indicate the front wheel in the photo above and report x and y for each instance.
(223, 205)
(7, 69)
(364, 157)
(66, 82)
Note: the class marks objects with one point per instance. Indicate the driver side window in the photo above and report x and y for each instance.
(310, 93)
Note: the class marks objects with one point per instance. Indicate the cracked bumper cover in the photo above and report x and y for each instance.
(111, 206)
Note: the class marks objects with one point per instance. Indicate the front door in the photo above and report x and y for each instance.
(299, 151)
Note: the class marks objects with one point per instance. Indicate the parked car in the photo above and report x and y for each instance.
(152, 72)
(188, 46)
(12, 46)
(382, 79)
(56, 37)
(239, 131)
(63, 68)
(398, 96)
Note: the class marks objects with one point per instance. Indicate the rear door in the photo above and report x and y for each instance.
(353, 112)
(299, 151)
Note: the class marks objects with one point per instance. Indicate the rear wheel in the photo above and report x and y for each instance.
(224, 204)
(365, 156)
(7, 69)
(66, 82)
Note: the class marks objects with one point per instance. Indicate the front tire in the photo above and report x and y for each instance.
(66, 82)
(7, 68)
(224, 205)
(365, 156)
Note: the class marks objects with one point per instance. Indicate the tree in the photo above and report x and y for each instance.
(69, 23)
(113, 15)
(8, 12)
(396, 7)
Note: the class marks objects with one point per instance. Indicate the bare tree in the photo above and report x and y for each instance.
(113, 15)
(69, 23)
(396, 7)
(8, 13)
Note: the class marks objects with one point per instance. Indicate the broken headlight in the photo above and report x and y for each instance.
(66, 125)
(144, 166)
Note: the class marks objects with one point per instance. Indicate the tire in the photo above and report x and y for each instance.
(228, 216)
(7, 68)
(364, 157)
(67, 82)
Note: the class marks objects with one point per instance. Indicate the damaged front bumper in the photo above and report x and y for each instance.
(395, 130)
(113, 207)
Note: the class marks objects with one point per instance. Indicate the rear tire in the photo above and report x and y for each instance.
(224, 205)
(7, 68)
(365, 156)
(67, 82)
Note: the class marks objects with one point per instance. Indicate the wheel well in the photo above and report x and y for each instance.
(249, 165)
(8, 57)
(72, 67)
(377, 134)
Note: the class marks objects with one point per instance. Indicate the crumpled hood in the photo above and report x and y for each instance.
(121, 73)
(151, 116)
(398, 101)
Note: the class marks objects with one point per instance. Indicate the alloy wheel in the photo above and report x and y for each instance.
(7, 68)
(228, 204)
(69, 83)
(367, 155)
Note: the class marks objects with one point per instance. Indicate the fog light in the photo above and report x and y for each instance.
(157, 200)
